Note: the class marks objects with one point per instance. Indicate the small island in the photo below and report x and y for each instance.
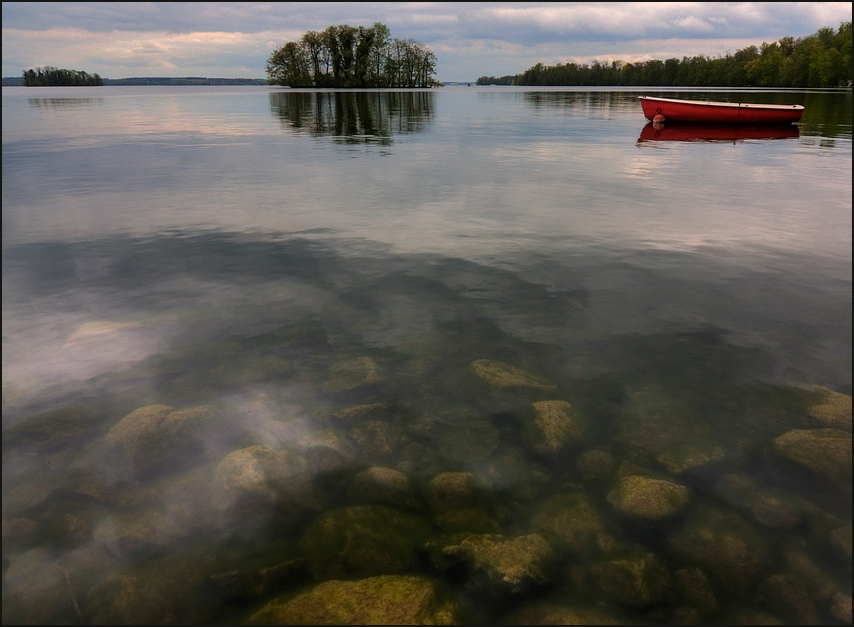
(56, 77)
(346, 56)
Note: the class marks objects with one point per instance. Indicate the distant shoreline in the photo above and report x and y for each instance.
(18, 81)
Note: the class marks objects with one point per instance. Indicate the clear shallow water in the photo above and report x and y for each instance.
(280, 258)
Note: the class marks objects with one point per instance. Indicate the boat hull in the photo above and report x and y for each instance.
(700, 112)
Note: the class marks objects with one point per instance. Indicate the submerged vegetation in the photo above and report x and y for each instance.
(347, 56)
(56, 77)
(821, 60)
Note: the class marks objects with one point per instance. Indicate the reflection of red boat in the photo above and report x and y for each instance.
(702, 112)
(715, 132)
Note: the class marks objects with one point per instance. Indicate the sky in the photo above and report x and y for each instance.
(234, 39)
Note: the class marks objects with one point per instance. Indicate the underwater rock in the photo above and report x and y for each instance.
(154, 435)
(383, 600)
(378, 439)
(247, 585)
(823, 451)
(473, 520)
(569, 522)
(353, 373)
(724, 545)
(595, 465)
(363, 541)
(327, 451)
(815, 581)
(834, 409)
(684, 457)
(654, 423)
(385, 486)
(841, 539)
(693, 588)
(263, 476)
(17, 531)
(769, 508)
(453, 490)
(500, 564)
(841, 609)
(638, 581)
(505, 377)
(648, 498)
(463, 438)
(551, 613)
(52, 429)
(137, 532)
(782, 595)
(357, 413)
(555, 425)
(35, 590)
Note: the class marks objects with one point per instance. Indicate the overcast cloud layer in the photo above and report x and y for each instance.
(233, 40)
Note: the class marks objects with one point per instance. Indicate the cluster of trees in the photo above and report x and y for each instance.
(819, 60)
(349, 56)
(51, 77)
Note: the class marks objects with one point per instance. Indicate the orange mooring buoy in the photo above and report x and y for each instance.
(658, 119)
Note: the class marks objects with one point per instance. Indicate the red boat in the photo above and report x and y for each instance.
(667, 110)
(716, 132)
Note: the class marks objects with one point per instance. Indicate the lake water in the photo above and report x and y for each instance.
(497, 339)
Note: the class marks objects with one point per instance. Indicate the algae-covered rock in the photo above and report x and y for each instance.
(363, 541)
(505, 377)
(34, 590)
(841, 539)
(500, 564)
(377, 439)
(655, 423)
(552, 613)
(473, 520)
(724, 545)
(353, 373)
(569, 522)
(137, 532)
(683, 457)
(784, 596)
(156, 434)
(637, 580)
(18, 531)
(595, 465)
(555, 425)
(841, 609)
(453, 490)
(648, 498)
(327, 450)
(768, 507)
(383, 600)
(834, 409)
(694, 589)
(52, 429)
(263, 475)
(380, 485)
(823, 451)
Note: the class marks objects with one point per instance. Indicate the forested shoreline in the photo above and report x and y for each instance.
(822, 59)
(348, 56)
(56, 77)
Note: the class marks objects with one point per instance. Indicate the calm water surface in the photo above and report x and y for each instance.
(500, 339)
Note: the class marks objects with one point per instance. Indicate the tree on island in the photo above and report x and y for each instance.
(821, 60)
(55, 77)
(349, 56)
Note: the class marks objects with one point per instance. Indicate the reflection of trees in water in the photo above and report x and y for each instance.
(64, 103)
(354, 117)
(598, 103)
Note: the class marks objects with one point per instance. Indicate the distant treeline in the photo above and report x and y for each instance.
(17, 81)
(819, 60)
(347, 56)
(56, 77)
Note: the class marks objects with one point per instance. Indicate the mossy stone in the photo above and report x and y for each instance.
(645, 497)
(694, 589)
(569, 522)
(353, 373)
(555, 425)
(379, 485)
(502, 377)
(637, 580)
(382, 600)
(552, 613)
(823, 451)
(834, 409)
(363, 541)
